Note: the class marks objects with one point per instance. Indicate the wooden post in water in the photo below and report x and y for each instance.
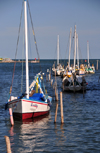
(97, 65)
(46, 77)
(8, 144)
(11, 116)
(50, 73)
(83, 85)
(56, 94)
(83, 90)
(51, 81)
(63, 86)
(56, 91)
(61, 108)
(55, 76)
(49, 76)
(56, 112)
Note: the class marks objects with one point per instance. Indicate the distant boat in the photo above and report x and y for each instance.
(89, 69)
(32, 103)
(80, 70)
(1, 58)
(68, 69)
(59, 69)
(6, 60)
(35, 61)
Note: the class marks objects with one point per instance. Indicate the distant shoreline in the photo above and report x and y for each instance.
(18, 61)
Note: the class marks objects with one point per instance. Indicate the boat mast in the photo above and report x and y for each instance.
(88, 53)
(75, 48)
(26, 48)
(70, 46)
(58, 50)
(77, 51)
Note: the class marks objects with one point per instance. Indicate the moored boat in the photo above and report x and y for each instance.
(59, 69)
(89, 69)
(32, 103)
(36, 104)
(75, 82)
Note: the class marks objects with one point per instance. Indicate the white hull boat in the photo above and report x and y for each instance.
(32, 103)
(28, 108)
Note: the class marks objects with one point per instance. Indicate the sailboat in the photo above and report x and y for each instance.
(79, 70)
(32, 103)
(68, 69)
(75, 82)
(89, 69)
(59, 69)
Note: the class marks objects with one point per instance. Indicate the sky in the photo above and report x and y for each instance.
(51, 18)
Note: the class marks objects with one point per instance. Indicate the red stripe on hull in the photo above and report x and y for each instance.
(28, 115)
(27, 101)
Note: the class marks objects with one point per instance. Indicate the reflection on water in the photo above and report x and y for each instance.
(11, 131)
(60, 135)
(31, 132)
(37, 135)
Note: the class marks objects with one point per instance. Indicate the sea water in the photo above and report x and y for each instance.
(80, 132)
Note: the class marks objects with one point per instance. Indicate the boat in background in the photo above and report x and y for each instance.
(35, 61)
(80, 70)
(75, 82)
(68, 69)
(89, 69)
(59, 69)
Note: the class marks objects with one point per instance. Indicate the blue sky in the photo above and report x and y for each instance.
(51, 18)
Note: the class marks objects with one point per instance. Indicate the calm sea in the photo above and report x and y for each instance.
(80, 132)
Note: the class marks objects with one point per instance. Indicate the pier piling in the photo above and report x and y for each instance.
(61, 108)
(49, 76)
(8, 144)
(51, 81)
(97, 65)
(46, 77)
(50, 73)
(56, 94)
(56, 112)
